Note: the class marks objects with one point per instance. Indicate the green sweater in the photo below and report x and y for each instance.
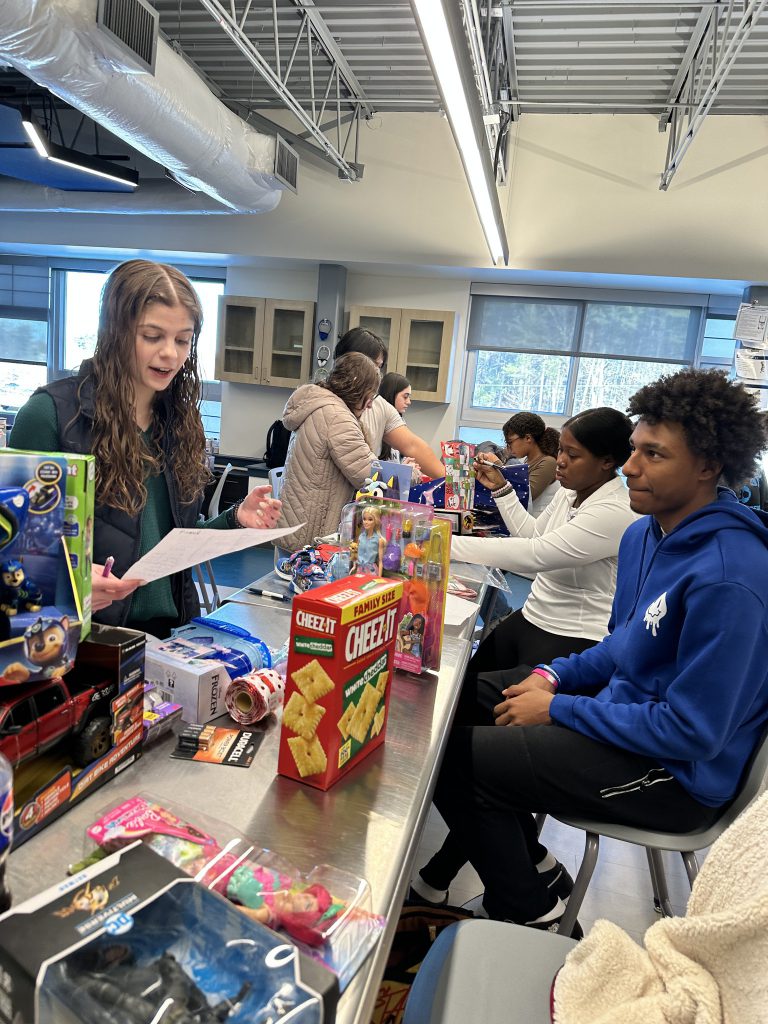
(36, 428)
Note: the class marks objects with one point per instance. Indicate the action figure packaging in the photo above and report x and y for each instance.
(41, 614)
(79, 504)
(326, 913)
(340, 662)
(133, 940)
(407, 542)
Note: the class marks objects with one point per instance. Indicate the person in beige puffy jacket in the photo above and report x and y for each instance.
(329, 456)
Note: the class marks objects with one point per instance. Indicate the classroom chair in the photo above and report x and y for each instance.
(684, 843)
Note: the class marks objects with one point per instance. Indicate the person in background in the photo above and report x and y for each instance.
(328, 457)
(382, 422)
(654, 726)
(572, 548)
(396, 389)
(528, 438)
(135, 406)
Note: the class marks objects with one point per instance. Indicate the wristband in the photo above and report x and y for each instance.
(502, 492)
(232, 521)
(547, 673)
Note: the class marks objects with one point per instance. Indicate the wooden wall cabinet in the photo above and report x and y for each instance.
(264, 341)
(419, 344)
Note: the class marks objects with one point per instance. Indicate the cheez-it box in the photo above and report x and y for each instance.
(340, 666)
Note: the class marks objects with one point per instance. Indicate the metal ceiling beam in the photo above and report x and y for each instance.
(234, 26)
(752, 12)
(509, 45)
(702, 26)
(331, 47)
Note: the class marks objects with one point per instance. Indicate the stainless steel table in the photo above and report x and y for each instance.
(369, 823)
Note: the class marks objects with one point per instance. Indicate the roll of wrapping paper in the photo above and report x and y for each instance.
(254, 696)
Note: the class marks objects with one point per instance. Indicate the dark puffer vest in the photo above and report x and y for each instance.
(117, 533)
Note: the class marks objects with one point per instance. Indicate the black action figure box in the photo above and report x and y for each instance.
(133, 940)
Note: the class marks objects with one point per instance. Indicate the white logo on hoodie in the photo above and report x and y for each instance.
(655, 612)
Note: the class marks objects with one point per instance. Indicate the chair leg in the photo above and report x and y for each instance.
(215, 596)
(202, 587)
(573, 906)
(691, 865)
(661, 902)
(540, 819)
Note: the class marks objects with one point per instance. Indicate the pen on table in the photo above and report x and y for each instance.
(108, 566)
(268, 593)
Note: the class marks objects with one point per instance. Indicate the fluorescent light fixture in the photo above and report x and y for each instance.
(80, 165)
(437, 38)
(34, 134)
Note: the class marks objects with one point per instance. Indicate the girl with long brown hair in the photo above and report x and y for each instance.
(135, 406)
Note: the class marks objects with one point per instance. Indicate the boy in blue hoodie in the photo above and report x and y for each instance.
(653, 726)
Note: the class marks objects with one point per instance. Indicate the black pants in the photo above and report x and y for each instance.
(495, 778)
(513, 643)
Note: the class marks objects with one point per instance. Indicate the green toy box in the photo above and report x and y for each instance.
(78, 527)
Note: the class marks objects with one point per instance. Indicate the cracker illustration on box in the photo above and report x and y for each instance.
(339, 664)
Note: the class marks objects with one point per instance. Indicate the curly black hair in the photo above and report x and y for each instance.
(721, 420)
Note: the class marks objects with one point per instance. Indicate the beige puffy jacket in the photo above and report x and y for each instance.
(328, 459)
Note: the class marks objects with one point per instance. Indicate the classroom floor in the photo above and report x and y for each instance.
(621, 887)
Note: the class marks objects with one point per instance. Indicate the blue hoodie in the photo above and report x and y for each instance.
(682, 676)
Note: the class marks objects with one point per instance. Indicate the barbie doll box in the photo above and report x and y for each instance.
(340, 664)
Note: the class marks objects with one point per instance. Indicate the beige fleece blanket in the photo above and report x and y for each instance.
(709, 967)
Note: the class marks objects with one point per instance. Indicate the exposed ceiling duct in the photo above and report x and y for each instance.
(172, 117)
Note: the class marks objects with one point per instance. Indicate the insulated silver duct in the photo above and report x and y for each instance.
(172, 117)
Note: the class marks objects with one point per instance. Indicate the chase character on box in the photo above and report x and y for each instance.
(46, 648)
(134, 406)
(17, 590)
(370, 542)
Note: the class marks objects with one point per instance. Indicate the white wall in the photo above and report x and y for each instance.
(583, 197)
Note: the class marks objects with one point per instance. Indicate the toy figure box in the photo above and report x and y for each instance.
(79, 506)
(459, 474)
(407, 542)
(387, 480)
(40, 610)
(340, 663)
(133, 938)
(326, 913)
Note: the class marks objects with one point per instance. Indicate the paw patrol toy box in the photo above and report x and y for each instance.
(40, 609)
(340, 665)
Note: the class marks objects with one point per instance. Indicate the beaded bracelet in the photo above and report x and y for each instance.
(502, 492)
(232, 521)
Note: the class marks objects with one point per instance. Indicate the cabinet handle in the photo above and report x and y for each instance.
(265, 381)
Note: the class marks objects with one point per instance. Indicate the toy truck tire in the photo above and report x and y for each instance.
(93, 742)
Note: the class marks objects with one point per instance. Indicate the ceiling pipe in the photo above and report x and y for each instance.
(171, 117)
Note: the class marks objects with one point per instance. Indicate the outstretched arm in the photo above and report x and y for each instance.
(407, 443)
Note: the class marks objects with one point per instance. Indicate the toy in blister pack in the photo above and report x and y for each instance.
(327, 912)
(40, 613)
(402, 540)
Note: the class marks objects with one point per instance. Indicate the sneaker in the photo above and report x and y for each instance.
(553, 925)
(421, 892)
(475, 906)
(558, 881)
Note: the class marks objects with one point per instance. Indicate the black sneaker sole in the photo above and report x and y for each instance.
(414, 897)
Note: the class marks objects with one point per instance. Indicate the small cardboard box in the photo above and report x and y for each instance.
(197, 684)
(113, 651)
(340, 664)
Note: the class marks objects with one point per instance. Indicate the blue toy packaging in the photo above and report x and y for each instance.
(487, 521)
(40, 610)
(133, 938)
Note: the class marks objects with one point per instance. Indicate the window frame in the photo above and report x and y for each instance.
(471, 416)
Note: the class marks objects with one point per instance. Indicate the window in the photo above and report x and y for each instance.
(24, 300)
(49, 699)
(82, 290)
(718, 344)
(558, 356)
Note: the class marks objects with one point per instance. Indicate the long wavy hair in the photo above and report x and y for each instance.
(123, 460)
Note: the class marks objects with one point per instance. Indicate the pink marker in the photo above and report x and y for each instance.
(108, 566)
